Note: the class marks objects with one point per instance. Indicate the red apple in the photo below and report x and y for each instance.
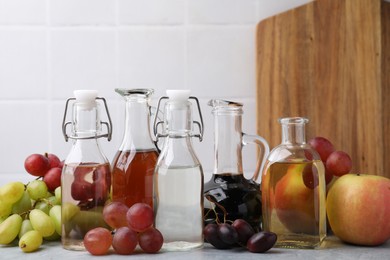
(358, 208)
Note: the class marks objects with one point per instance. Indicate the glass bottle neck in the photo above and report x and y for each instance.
(228, 142)
(178, 119)
(137, 134)
(293, 130)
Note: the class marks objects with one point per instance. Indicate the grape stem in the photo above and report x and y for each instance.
(216, 214)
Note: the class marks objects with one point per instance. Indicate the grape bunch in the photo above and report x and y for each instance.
(32, 212)
(133, 226)
(337, 163)
(240, 232)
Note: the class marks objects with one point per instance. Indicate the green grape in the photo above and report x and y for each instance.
(48, 194)
(87, 220)
(37, 189)
(22, 205)
(11, 192)
(43, 206)
(9, 229)
(42, 222)
(55, 214)
(69, 210)
(5, 209)
(30, 241)
(53, 201)
(2, 219)
(57, 193)
(26, 226)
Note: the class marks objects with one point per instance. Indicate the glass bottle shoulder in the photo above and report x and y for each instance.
(293, 153)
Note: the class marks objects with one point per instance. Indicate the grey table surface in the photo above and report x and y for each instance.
(332, 248)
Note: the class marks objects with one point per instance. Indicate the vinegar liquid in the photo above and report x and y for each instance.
(179, 207)
(132, 176)
(85, 190)
(231, 197)
(295, 211)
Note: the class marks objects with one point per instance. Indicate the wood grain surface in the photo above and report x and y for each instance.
(329, 61)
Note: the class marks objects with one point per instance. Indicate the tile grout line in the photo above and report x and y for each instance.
(49, 94)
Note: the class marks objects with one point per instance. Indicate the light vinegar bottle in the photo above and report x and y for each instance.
(293, 190)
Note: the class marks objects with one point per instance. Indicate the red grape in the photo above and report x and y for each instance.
(81, 190)
(53, 178)
(261, 242)
(115, 214)
(244, 231)
(37, 164)
(54, 161)
(151, 240)
(102, 173)
(328, 176)
(124, 241)
(100, 190)
(310, 176)
(140, 217)
(98, 241)
(80, 173)
(210, 233)
(227, 233)
(339, 163)
(323, 147)
(61, 165)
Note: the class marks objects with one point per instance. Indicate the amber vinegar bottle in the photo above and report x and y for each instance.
(134, 163)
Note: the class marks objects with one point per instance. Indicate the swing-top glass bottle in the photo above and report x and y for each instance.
(86, 176)
(178, 179)
(134, 163)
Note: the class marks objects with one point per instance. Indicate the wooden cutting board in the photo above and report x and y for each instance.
(329, 61)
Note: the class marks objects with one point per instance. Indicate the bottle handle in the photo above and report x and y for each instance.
(263, 144)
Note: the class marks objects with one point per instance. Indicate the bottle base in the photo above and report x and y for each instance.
(181, 246)
(73, 245)
(299, 241)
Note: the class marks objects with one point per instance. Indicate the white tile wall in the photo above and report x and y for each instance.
(222, 12)
(82, 58)
(157, 12)
(48, 48)
(152, 58)
(23, 66)
(81, 12)
(23, 12)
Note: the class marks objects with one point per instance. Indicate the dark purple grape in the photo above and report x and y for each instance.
(227, 234)
(261, 242)
(244, 231)
(211, 235)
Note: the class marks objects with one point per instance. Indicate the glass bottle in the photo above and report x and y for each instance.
(134, 163)
(293, 190)
(86, 176)
(229, 195)
(178, 179)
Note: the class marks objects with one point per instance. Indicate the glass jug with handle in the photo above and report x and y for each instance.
(229, 195)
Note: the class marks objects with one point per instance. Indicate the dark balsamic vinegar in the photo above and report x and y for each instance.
(238, 196)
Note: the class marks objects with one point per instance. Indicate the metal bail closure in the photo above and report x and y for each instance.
(86, 96)
(179, 96)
